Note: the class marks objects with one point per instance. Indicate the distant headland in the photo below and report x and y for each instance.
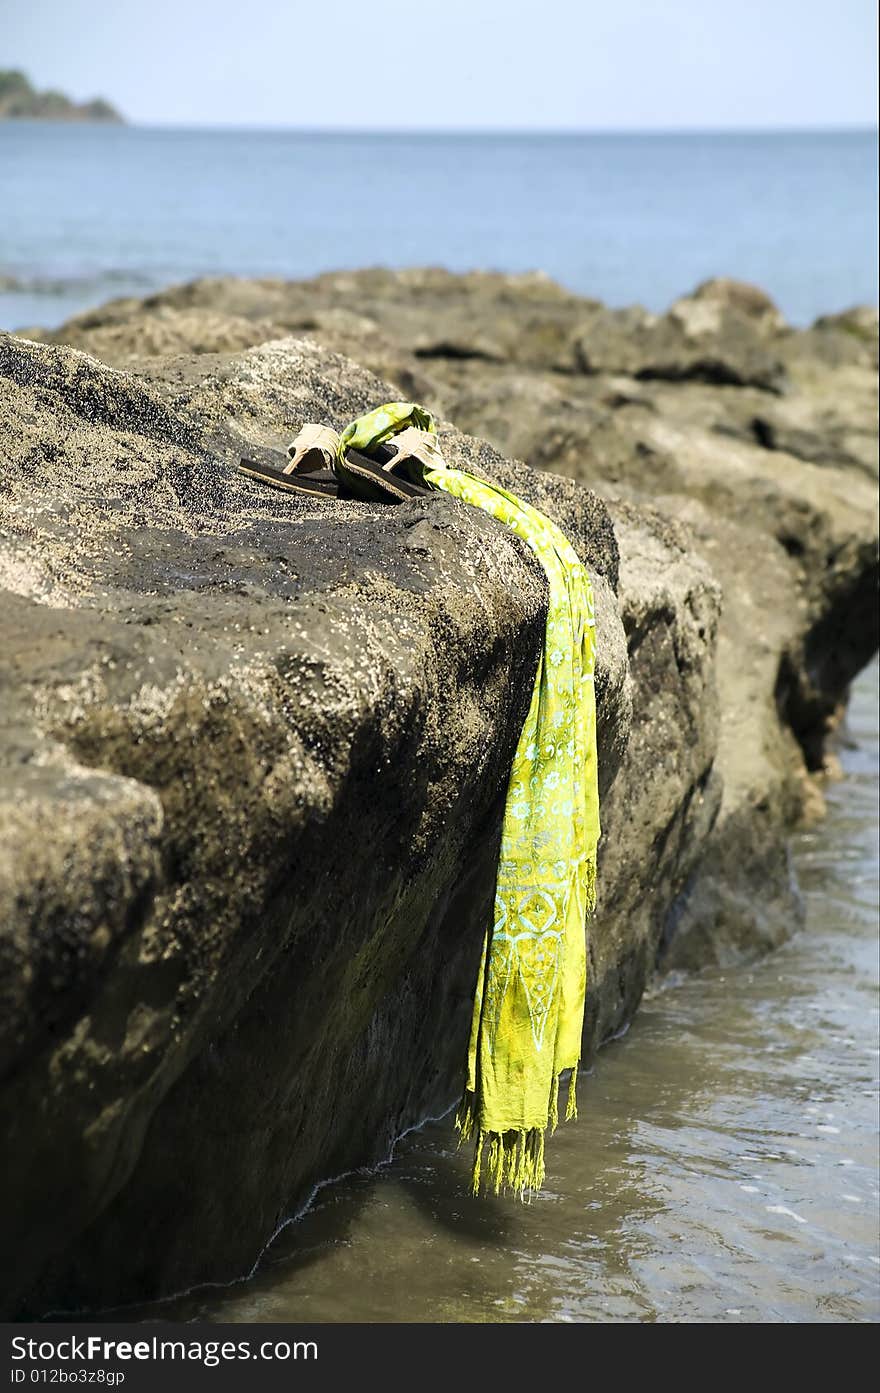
(20, 100)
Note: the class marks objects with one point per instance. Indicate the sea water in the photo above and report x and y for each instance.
(723, 1167)
(92, 212)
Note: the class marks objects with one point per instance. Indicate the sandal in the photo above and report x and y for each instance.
(309, 469)
(382, 455)
(386, 452)
(378, 474)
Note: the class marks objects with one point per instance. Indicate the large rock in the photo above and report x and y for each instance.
(255, 750)
(254, 753)
(762, 437)
(698, 340)
(722, 293)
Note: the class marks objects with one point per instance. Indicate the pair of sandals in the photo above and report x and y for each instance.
(321, 465)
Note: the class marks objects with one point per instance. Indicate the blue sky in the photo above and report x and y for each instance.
(465, 64)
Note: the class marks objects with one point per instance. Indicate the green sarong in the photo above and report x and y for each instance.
(529, 1001)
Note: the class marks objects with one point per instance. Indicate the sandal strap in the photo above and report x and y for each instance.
(413, 443)
(314, 448)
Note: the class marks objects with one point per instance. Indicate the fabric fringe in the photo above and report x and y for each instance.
(553, 1110)
(514, 1160)
(571, 1107)
(509, 1161)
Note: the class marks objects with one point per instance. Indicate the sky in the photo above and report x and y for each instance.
(459, 64)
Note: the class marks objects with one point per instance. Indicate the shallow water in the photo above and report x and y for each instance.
(723, 1168)
(91, 212)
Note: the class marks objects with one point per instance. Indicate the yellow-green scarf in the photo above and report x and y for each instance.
(529, 1002)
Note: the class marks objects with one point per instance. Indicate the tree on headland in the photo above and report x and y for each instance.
(20, 100)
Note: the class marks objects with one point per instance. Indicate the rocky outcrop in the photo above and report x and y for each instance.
(760, 437)
(253, 749)
(433, 316)
(20, 100)
(254, 758)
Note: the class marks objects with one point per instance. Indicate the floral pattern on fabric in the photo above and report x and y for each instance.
(529, 1001)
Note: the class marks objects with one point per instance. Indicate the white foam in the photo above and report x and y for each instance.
(781, 1209)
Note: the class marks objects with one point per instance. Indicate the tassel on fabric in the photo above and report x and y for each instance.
(511, 1161)
(553, 1110)
(571, 1107)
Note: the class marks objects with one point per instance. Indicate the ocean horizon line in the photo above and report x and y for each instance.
(458, 132)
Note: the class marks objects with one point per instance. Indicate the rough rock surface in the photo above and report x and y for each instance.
(253, 750)
(761, 438)
(253, 762)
